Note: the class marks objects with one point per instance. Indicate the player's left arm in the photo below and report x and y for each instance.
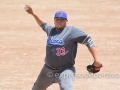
(91, 46)
(93, 51)
(81, 37)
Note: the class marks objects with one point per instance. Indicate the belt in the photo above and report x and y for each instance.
(47, 66)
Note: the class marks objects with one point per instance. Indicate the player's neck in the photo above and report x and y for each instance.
(59, 29)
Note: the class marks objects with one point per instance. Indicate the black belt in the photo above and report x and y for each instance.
(47, 66)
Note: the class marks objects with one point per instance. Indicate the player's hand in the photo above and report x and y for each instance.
(94, 68)
(97, 64)
(28, 9)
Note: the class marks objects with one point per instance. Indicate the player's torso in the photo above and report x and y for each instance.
(59, 48)
(59, 38)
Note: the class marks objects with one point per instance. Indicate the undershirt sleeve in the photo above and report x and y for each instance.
(46, 27)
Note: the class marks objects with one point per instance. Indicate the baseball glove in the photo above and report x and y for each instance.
(93, 69)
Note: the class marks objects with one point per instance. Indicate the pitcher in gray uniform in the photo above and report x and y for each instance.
(61, 51)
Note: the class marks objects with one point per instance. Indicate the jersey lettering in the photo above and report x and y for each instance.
(51, 42)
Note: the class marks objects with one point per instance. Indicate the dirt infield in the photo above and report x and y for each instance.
(22, 42)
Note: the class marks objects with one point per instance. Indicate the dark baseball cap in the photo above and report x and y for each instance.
(60, 14)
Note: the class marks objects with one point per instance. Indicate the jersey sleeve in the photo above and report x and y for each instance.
(46, 27)
(78, 35)
(82, 38)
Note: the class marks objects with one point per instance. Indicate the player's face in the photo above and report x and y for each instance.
(60, 23)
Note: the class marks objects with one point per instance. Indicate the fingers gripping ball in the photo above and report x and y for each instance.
(26, 8)
(93, 69)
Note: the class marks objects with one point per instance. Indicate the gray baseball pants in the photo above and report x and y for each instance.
(47, 77)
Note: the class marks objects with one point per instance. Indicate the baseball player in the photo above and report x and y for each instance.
(61, 49)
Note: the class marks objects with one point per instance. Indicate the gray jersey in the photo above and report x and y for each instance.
(61, 45)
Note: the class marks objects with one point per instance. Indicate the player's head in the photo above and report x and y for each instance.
(60, 19)
(60, 14)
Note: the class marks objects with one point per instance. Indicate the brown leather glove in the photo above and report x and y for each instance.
(93, 69)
